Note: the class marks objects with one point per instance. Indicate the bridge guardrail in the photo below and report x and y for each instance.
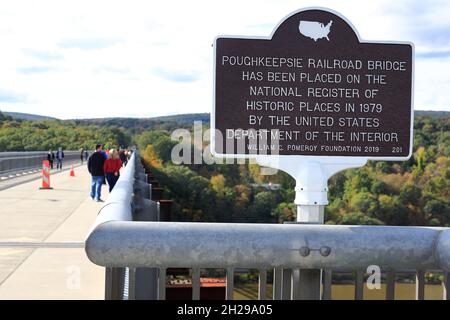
(12, 162)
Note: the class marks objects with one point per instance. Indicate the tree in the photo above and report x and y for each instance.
(392, 211)
(358, 218)
(262, 206)
(218, 184)
(149, 137)
(21, 135)
(439, 210)
(410, 194)
(285, 212)
(163, 147)
(420, 159)
(364, 202)
(151, 158)
(379, 187)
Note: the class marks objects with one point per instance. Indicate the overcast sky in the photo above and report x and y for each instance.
(83, 59)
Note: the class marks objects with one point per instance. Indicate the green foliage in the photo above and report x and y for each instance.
(262, 206)
(358, 218)
(160, 140)
(413, 192)
(285, 212)
(27, 135)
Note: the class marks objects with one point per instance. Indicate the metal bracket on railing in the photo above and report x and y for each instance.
(140, 176)
(305, 251)
(144, 209)
(142, 189)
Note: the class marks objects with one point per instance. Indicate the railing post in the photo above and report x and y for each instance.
(327, 283)
(277, 283)
(359, 285)
(309, 286)
(146, 287)
(162, 284)
(310, 279)
(131, 283)
(230, 284)
(446, 284)
(420, 285)
(295, 280)
(114, 283)
(390, 285)
(262, 284)
(195, 284)
(146, 279)
(286, 284)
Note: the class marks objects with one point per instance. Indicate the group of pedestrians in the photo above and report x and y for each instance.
(84, 155)
(105, 164)
(58, 156)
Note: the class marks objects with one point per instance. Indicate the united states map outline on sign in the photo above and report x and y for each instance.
(315, 30)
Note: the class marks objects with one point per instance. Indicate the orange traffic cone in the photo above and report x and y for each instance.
(72, 172)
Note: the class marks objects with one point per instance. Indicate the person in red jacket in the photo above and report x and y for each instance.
(111, 168)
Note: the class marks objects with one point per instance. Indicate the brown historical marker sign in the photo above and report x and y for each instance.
(315, 89)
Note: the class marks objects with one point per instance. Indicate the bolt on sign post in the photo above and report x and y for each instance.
(45, 175)
(312, 99)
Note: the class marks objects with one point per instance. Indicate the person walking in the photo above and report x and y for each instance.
(123, 157)
(59, 158)
(105, 155)
(112, 168)
(86, 155)
(95, 167)
(81, 155)
(50, 158)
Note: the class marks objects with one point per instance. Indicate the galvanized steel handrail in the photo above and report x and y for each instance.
(223, 245)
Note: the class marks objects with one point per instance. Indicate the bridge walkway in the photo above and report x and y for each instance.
(48, 219)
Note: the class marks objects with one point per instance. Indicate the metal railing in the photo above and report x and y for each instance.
(16, 162)
(127, 238)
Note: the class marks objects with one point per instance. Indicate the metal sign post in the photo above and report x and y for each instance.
(311, 100)
(311, 176)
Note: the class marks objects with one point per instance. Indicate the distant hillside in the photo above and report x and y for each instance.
(27, 116)
(136, 125)
(434, 114)
(189, 118)
(180, 118)
(185, 117)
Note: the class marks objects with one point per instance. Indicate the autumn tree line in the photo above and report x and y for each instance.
(32, 135)
(414, 192)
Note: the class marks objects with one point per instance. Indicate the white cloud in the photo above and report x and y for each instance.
(79, 59)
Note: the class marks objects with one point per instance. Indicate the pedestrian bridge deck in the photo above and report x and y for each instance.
(49, 217)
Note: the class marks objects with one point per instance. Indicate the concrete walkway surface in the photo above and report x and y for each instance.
(64, 214)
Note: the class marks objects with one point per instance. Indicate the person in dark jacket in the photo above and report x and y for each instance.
(59, 158)
(50, 158)
(81, 155)
(123, 157)
(95, 167)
